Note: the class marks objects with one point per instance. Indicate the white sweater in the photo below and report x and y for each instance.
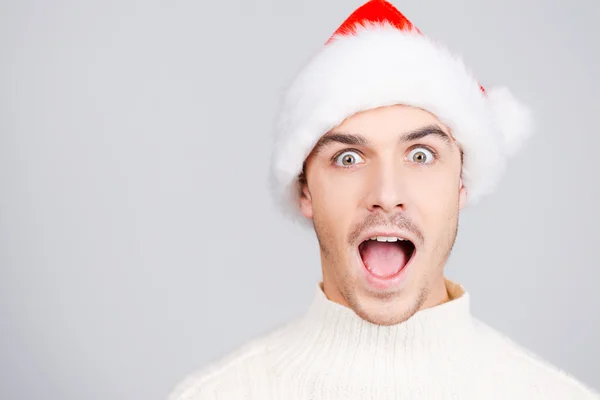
(330, 353)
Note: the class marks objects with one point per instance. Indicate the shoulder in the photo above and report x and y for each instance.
(230, 374)
(521, 367)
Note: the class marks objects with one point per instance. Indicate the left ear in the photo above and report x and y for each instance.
(462, 195)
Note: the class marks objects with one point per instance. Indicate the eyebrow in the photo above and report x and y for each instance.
(430, 130)
(354, 139)
(351, 139)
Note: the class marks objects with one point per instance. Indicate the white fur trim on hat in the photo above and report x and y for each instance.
(381, 65)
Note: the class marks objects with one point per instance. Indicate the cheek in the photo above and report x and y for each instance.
(335, 198)
(435, 195)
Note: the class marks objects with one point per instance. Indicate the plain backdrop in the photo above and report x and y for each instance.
(138, 241)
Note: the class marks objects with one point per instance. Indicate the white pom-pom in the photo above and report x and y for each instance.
(513, 118)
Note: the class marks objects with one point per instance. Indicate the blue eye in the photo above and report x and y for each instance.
(421, 155)
(348, 158)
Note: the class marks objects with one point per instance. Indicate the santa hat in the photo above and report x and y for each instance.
(377, 58)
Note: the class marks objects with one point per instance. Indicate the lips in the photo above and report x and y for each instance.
(386, 256)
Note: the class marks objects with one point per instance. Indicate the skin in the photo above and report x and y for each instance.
(385, 177)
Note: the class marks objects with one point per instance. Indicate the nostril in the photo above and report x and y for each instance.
(383, 207)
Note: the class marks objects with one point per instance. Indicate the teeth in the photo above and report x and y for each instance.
(386, 238)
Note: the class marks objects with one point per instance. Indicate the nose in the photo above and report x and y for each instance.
(386, 190)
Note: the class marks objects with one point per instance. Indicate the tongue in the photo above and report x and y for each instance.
(382, 258)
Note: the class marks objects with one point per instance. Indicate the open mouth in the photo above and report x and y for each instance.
(386, 256)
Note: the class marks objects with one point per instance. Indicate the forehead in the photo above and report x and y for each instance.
(390, 120)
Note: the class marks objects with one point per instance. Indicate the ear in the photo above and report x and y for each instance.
(462, 195)
(306, 206)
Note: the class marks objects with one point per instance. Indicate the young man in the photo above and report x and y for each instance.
(383, 138)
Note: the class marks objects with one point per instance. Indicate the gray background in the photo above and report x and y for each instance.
(137, 238)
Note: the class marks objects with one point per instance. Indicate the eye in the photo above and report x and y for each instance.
(421, 155)
(348, 158)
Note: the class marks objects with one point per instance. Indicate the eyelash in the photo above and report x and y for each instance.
(339, 153)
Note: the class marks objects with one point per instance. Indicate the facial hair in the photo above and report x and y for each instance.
(441, 251)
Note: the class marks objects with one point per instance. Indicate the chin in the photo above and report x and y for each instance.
(385, 307)
(387, 312)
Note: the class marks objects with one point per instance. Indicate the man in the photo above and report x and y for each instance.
(383, 138)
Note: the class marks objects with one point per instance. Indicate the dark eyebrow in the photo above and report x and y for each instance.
(344, 138)
(427, 131)
(359, 140)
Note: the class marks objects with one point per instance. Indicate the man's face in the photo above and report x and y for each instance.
(396, 172)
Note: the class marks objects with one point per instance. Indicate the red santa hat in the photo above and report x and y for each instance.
(376, 58)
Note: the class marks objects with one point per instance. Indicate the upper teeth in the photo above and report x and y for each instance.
(386, 238)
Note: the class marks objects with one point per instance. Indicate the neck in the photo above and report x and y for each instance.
(439, 293)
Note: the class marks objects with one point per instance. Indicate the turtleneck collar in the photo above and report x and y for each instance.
(336, 336)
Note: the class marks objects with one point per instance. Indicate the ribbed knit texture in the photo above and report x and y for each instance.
(331, 354)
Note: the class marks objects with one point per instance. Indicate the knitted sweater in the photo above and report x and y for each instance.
(330, 353)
